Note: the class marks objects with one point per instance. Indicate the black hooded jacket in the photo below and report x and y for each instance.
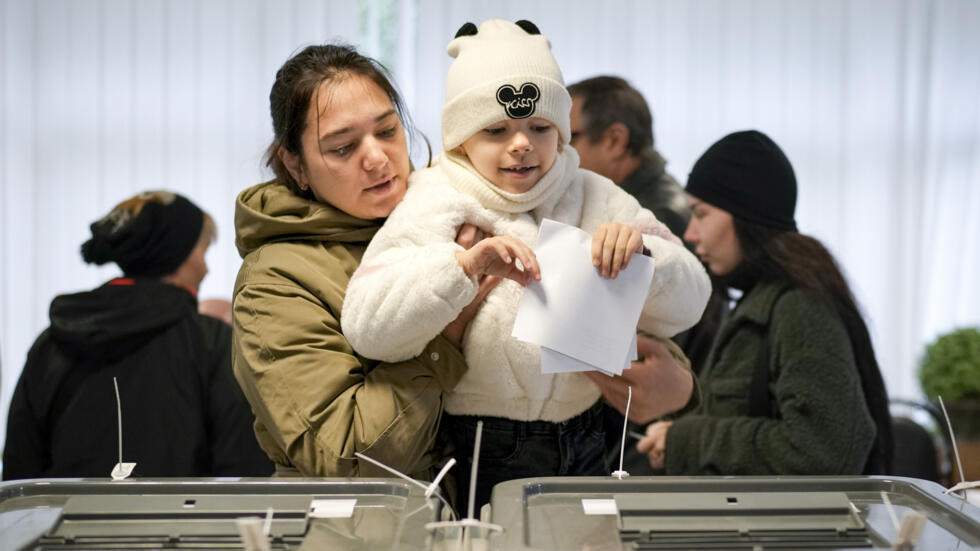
(183, 413)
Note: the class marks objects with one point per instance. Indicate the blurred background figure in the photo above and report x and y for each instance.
(792, 385)
(183, 414)
(612, 130)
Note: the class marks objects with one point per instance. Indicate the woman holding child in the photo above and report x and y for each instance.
(341, 163)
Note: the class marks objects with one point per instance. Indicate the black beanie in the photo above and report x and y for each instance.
(748, 175)
(148, 235)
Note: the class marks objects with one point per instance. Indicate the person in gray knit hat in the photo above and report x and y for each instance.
(183, 412)
(505, 168)
(792, 385)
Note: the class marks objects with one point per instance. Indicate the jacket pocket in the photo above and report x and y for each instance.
(728, 396)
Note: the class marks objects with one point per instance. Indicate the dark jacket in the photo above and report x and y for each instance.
(660, 193)
(182, 411)
(820, 424)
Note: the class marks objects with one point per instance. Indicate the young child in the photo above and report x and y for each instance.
(507, 166)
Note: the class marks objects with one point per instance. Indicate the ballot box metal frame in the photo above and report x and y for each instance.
(548, 513)
(201, 513)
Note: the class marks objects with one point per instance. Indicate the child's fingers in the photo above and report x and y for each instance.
(525, 254)
(608, 250)
(597, 240)
(502, 251)
(636, 243)
(529, 260)
(508, 248)
(623, 252)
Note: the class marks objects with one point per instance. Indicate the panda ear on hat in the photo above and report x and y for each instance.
(468, 29)
(528, 27)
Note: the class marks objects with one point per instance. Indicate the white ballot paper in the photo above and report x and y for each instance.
(556, 362)
(576, 312)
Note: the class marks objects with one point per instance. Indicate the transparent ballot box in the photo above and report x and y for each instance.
(290, 514)
(729, 513)
(589, 513)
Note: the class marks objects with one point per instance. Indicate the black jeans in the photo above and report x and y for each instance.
(523, 449)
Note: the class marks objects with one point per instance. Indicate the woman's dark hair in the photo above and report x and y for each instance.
(296, 84)
(787, 256)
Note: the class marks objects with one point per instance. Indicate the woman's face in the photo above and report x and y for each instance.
(712, 233)
(355, 156)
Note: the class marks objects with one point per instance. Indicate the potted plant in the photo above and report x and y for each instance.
(950, 368)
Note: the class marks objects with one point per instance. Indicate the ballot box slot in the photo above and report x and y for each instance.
(736, 520)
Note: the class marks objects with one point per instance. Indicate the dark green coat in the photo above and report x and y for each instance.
(822, 425)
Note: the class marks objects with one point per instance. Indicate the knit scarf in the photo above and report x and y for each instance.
(464, 177)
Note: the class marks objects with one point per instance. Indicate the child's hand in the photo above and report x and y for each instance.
(612, 246)
(495, 256)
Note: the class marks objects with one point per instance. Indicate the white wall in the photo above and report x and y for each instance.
(876, 102)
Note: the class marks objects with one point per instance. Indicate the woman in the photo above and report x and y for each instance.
(341, 163)
(182, 413)
(792, 385)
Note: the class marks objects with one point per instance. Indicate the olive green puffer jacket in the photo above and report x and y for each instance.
(315, 400)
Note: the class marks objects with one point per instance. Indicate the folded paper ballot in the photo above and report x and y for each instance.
(576, 313)
(556, 362)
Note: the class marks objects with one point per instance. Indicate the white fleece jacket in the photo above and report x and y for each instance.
(409, 285)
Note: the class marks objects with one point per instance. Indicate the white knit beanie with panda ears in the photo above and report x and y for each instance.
(502, 71)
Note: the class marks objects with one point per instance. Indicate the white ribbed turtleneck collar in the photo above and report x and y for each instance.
(464, 177)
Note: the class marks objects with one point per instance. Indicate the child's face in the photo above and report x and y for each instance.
(515, 153)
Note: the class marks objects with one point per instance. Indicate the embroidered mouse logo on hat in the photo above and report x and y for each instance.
(519, 105)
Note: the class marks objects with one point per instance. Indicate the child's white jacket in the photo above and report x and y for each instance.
(409, 285)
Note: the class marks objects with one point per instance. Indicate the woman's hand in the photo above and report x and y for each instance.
(496, 256)
(654, 444)
(467, 236)
(457, 327)
(612, 246)
(661, 385)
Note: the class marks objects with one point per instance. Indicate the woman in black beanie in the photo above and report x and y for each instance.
(182, 411)
(792, 385)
